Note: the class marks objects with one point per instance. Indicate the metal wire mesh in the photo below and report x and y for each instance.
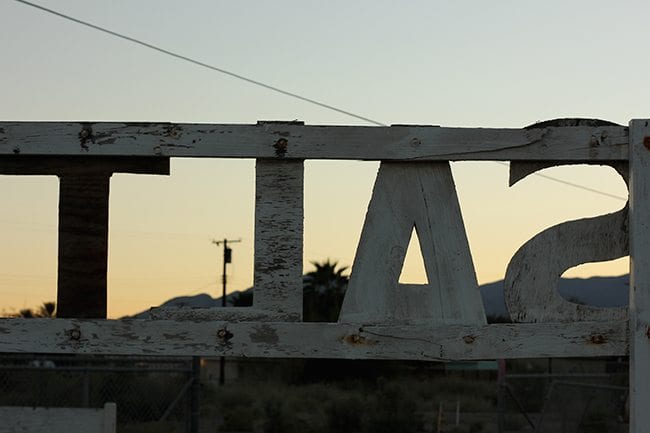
(575, 407)
(146, 390)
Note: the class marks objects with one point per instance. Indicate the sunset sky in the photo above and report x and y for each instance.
(468, 64)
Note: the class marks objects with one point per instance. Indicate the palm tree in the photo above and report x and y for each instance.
(323, 292)
(47, 309)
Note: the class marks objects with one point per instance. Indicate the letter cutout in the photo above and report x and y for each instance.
(407, 195)
(534, 271)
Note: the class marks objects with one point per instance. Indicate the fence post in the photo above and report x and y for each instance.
(639, 310)
(501, 384)
(83, 245)
(195, 400)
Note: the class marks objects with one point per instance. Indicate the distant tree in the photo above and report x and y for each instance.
(242, 299)
(47, 309)
(323, 292)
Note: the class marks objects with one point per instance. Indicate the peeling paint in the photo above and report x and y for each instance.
(86, 135)
(173, 131)
(264, 334)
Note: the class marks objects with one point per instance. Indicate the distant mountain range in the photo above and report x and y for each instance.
(596, 291)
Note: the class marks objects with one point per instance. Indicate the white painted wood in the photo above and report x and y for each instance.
(534, 272)
(279, 218)
(580, 143)
(227, 314)
(407, 196)
(17, 419)
(639, 275)
(110, 418)
(313, 340)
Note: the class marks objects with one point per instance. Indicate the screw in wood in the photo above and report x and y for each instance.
(646, 142)
(75, 334)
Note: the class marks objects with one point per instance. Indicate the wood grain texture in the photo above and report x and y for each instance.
(313, 340)
(83, 246)
(534, 272)
(578, 143)
(639, 275)
(408, 196)
(279, 216)
(17, 419)
(81, 165)
(228, 314)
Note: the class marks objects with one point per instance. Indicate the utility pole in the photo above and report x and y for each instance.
(227, 258)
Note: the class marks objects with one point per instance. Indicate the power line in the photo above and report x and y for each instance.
(575, 185)
(586, 188)
(202, 64)
(261, 84)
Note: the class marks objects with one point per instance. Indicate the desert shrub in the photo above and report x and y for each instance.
(344, 414)
(393, 409)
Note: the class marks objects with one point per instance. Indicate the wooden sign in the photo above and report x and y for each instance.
(380, 319)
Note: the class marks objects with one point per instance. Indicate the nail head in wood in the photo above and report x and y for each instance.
(224, 335)
(75, 334)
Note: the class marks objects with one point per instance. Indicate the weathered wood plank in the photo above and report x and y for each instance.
(533, 274)
(227, 314)
(408, 196)
(83, 246)
(279, 219)
(313, 340)
(639, 309)
(17, 419)
(293, 141)
(81, 165)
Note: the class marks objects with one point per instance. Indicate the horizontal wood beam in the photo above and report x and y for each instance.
(291, 140)
(314, 340)
(81, 165)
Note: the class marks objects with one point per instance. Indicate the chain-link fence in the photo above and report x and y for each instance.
(564, 396)
(584, 408)
(152, 393)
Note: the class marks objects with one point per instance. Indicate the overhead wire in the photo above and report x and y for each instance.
(201, 64)
(262, 84)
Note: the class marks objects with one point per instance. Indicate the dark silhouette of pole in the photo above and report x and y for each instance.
(195, 392)
(227, 258)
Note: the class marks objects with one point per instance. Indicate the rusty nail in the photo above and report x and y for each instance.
(598, 339)
(646, 142)
(75, 334)
(354, 339)
(469, 339)
(280, 147)
(224, 334)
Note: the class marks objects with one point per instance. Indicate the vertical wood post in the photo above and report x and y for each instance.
(279, 237)
(639, 310)
(83, 245)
